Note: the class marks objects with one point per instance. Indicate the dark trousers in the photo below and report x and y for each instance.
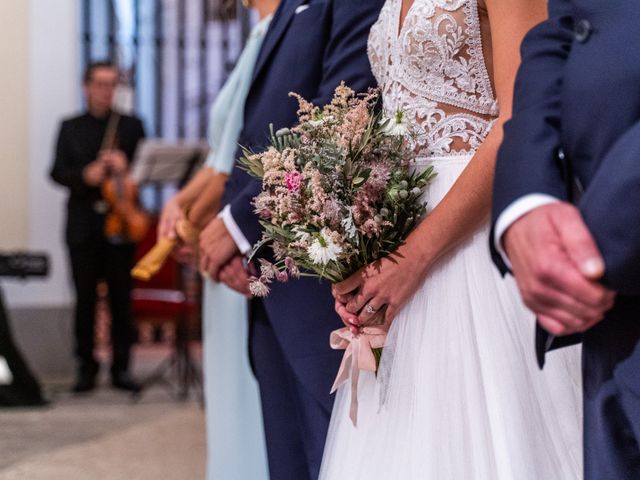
(611, 362)
(90, 263)
(295, 422)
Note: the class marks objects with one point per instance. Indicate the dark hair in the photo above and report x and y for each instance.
(223, 10)
(88, 72)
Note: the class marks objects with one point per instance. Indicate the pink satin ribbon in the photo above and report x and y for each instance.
(358, 356)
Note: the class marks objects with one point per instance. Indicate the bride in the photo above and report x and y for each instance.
(458, 395)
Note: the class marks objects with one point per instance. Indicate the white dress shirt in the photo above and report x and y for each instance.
(513, 212)
(232, 227)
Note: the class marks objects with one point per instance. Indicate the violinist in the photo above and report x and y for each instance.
(92, 148)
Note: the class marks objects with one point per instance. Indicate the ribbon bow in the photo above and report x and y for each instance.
(358, 356)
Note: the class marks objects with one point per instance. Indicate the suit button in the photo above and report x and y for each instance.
(582, 30)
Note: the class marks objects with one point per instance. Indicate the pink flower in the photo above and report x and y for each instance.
(378, 179)
(293, 217)
(267, 270)
(293, 181)
(292, 267)
(264, 214)
(370, 228)
(331, 212)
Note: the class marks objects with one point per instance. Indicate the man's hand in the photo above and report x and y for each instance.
(556, 264)
(95, 173)
(236, 276)
(185, 254)
(216, 248)
(116, 160)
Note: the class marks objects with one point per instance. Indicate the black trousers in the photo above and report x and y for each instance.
(90, 263)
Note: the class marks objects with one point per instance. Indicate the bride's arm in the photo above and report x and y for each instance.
(174, 210)
(467, 205)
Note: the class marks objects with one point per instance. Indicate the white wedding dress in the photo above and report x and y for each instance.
(458, 395)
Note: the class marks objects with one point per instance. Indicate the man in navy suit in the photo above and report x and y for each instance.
(311, 46)
(567, 210)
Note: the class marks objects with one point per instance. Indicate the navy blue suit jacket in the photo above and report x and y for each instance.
(577, 91)
(576, 120)
(309, 53)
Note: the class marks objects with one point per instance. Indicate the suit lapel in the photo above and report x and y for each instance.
(279, 26)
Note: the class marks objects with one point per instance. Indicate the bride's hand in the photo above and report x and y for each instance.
(385, 284)
(349, 320)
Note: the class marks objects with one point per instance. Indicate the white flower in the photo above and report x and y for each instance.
(258, 288)
(323, 249)
(397, 126)
(320, 120)
(267, 269)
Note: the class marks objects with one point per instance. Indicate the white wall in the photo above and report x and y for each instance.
(52, 94)
(14, 166)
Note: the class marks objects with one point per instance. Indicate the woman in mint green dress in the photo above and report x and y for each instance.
(235, 437)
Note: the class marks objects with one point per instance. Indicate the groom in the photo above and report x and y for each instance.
(310, 48)
(567, 210)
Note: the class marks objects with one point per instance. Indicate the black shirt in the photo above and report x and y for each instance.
(79, 141)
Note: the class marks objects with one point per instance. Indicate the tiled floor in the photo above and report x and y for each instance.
(105, 435)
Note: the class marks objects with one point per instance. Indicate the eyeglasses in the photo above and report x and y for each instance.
(103, 85)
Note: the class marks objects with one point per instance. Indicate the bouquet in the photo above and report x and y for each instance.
(339, 192)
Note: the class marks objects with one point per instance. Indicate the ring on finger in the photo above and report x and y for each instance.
(369, 309)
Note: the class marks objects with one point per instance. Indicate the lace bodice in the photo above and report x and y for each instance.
(433, 69)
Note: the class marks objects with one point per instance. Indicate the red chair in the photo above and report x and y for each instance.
(172, 295)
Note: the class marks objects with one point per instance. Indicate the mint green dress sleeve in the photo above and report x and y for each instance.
(226, 116)
(235, 435)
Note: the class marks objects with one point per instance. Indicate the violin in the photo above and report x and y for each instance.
(125, 221)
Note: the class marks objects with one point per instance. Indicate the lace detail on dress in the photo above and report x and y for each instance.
(433, 69)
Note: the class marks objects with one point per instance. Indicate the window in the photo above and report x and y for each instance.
(175, 55)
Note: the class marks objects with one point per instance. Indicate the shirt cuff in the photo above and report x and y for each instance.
(513, 212)
(232, 227)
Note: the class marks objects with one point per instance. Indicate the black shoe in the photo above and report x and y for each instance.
(123, 381)
(13, 396)
(84, 383)
(86, 380)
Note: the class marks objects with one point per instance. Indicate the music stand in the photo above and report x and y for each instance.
(160, 162)
(156, 164)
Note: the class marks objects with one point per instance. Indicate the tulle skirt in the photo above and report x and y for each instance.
(458, 395)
